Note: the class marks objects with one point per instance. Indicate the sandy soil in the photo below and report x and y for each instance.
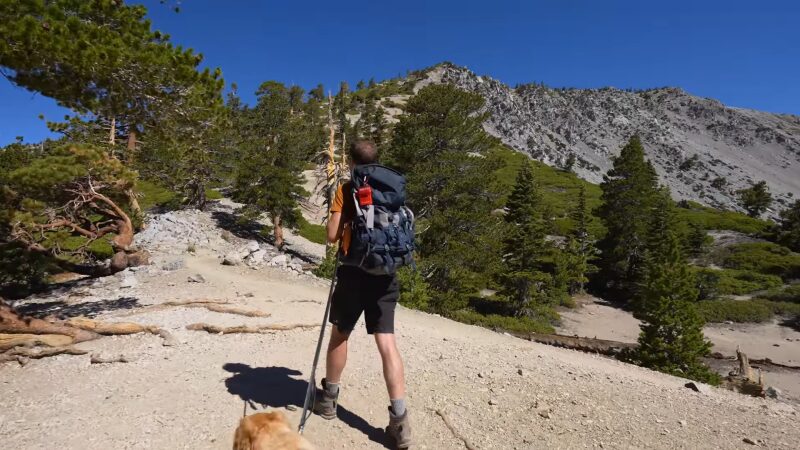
(758, 341)
(498, 391)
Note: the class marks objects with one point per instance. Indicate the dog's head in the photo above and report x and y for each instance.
(257, 427)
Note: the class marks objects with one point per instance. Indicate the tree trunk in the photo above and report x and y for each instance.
(135, 208)
(277, 229)
(131, 146)
(112, 135)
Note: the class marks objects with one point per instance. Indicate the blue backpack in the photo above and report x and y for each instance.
(382, 235)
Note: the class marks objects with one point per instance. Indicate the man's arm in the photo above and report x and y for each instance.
(335, 227)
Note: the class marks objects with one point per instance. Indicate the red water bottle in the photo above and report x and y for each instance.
(365, 195)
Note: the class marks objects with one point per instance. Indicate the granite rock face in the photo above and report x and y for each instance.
(702, 150)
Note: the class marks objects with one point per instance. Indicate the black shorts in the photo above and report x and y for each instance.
(356, 292)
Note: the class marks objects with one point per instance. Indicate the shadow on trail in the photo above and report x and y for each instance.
(275, 387)
(252, 230)
(63, 310)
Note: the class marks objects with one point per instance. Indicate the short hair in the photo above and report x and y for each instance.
(363, 151)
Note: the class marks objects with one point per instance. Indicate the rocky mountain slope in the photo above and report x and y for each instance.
(703, 150)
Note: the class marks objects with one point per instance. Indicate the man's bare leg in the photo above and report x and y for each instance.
(337, 356)
(392, 365)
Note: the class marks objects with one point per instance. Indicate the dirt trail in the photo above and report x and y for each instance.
(498, 391)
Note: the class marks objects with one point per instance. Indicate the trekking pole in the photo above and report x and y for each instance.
(312, 382)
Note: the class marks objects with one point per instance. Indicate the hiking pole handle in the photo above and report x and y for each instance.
(312, 382)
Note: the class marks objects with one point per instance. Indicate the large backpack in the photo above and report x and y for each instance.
(382, 236)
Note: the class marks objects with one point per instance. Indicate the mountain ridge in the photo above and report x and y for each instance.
(702, 150)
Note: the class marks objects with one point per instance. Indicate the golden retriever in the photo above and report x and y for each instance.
(268, 431)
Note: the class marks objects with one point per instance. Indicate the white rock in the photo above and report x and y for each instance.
(253, 246)
(280, 260)
(129, 282)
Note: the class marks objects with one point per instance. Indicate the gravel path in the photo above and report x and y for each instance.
(497, 391)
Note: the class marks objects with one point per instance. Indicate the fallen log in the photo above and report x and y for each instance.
(12, 323)
(584, 344)
(220, 306)
(110, 328)
(11, 340)
(260, 329)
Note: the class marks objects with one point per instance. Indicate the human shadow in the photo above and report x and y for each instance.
(276, 387)
(63, 310)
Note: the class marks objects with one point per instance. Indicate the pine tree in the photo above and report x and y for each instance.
(575, 265)
(755, 199)
(789, 227)
(269, 179)
(569, 163)
(671, 339)
(441, 146)
(629, 191)
(697, 240)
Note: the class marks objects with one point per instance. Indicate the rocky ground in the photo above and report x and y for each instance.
(497, 392)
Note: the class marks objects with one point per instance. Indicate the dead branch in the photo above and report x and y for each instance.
(97, 359)
(21, 354)
(261, 329)
(11, 322)
(220, 306)
(11, 340)
(110, 328)
(453, 430)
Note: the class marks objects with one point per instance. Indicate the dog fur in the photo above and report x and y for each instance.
(268, 431)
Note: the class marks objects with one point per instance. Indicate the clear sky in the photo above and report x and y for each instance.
(744, 53)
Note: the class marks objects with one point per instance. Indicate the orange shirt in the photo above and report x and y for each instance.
(344, 204)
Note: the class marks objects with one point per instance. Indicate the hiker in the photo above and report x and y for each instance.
(357, 291)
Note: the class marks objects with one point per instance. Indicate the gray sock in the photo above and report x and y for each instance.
(398, 407)
(332, 388)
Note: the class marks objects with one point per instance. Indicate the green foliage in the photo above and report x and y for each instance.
(697, 241)
(442, 148)
(741, 311)
(313, 232)
(559, 190)
(629, 196)
(152, 194)
(414, 291)
(755, 199)
(789, 229)
(713, 219)
(672, 338)
(761, 257)
(713, 283)
(98, 56)
(328, 265)
(538, 321)
(20, 271)
(789, 294)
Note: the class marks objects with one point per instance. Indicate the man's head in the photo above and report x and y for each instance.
(363, 151)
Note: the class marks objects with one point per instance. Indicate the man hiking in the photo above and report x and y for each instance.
(357, 291)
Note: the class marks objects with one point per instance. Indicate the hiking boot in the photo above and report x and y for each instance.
(325, 403)
(399, 429)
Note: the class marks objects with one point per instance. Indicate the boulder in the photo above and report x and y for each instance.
(232, 259)
(280, 260)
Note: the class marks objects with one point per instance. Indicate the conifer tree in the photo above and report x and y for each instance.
(629, 191)
(697, 240)
(269, 179)
(575, 264)
(671, 339)
(441, 146)
(755, 199)
(789, 227)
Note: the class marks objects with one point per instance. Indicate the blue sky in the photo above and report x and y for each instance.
(745, 53)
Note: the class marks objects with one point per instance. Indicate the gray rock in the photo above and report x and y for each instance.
(253, 246)
(280, 260)
(196, 278)
(129, 282)
(232, 259)
(698, 387)
(173, 265)
(772, 392)
(258, 256)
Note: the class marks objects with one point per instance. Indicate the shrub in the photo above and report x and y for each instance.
(156, 195)
(539, 323)
(328, 265)
(311, 231)
(762, 257)
(413, 289)
(734, 311)
(788, 294)
(713, 283)
(780, 308)
(714, 219)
